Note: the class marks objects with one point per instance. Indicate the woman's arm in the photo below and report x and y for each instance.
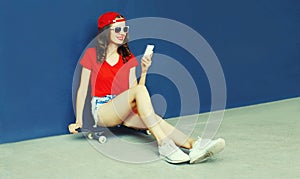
(143, 78)
(80, 99)
(145, 64)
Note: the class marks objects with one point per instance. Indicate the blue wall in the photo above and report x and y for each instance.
(257, 43)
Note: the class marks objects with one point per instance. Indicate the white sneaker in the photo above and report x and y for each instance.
(171, 153)
(202, 153)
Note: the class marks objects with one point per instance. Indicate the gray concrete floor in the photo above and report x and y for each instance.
(262, 142)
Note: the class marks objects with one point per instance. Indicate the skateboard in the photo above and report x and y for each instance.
(99, 134)
(94, 135)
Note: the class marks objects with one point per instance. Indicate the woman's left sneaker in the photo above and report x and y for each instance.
(200, 154)
(171, 153)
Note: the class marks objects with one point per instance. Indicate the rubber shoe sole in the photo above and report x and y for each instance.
(213, 148)
(174, 161)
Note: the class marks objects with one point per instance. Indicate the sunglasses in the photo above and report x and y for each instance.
(118, 29)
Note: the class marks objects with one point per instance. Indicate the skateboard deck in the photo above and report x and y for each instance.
(100, 134)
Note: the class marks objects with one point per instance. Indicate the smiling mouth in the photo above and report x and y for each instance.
(120, 38)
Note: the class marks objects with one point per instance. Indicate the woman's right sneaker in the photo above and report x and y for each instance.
(200, 154)
(171, 153)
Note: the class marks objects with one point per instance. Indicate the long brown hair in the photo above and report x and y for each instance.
(103, 40)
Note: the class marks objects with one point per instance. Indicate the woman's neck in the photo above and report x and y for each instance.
(111, 50)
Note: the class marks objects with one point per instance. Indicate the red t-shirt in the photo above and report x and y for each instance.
(106, 79)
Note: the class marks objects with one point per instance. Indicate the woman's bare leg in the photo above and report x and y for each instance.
(118, 109)
(181, 139)
(176, 135)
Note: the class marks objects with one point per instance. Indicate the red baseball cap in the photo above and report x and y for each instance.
(108, 18)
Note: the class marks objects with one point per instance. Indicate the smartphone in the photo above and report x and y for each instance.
(149, 50)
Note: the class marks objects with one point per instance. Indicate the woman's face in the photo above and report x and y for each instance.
(118, 32)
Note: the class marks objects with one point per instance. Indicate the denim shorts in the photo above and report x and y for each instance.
(97, 102)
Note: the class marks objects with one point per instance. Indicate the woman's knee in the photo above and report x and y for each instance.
(140, 89)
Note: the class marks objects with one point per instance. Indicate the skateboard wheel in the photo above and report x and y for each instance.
(90, 135)
(102, 139)
(148, 132)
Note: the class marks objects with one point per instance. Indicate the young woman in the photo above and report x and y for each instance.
(117, 97)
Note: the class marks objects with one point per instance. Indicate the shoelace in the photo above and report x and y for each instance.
(198, 142)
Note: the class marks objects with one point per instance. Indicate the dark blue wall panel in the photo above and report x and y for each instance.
(257, 43)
